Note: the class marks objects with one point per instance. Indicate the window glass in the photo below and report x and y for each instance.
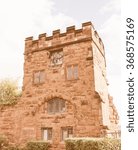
(36, 77)
(56, 106)
(75, 72)
(72, 72)
(42, 76)
(67, 132)
(69, 73)
(47, 134)
(39, 77)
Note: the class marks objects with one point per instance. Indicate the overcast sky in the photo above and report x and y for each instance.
(22, 18)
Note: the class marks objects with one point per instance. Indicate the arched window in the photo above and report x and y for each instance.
(56, 105)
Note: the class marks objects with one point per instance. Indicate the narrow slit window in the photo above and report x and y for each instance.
(69, 73)
(75, 72)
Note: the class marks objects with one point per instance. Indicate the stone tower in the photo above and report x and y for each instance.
(64, 88)
(65, 75)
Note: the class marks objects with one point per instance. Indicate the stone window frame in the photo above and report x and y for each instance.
(66, 131)
(49, 132)
(39, 82)
(73, 74)
(57, 107)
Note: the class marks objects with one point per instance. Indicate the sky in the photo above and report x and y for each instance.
(23, 18)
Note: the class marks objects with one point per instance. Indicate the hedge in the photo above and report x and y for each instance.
(14, 148)
(93, 144)
(37, 145)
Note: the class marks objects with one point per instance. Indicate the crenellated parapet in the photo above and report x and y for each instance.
(58, 39)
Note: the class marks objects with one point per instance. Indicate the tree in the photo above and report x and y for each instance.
(9, 91)
(3, 142)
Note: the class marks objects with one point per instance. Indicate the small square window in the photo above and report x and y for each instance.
(39, 77)
(72, 72)
(47, 134)
(66, 132)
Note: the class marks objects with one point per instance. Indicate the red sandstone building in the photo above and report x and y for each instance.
(65, 90)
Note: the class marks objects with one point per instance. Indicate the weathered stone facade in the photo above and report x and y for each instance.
(69, 67)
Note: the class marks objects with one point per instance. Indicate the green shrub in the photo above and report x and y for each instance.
(70, 144)
(16, 148)
(9, 92)
(13, 148)
(78, 145)
(37, 145)
(93, 144)
(3, 142)
(89, 145)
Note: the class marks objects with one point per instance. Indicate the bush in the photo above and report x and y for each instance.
(70, 144)
(93, 144)
(37, 145)
(3, 142)
(13, 148)
(9, 92)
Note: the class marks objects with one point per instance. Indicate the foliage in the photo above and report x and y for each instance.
(3, 142)
(93, 144)
(37, 145)
(9, 91)
(13, 148)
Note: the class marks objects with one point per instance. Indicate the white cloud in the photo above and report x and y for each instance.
(20, 19)
(110, 32)
(111, 35)
(111, 6)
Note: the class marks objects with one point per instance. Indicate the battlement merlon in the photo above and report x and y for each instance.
(72, 35)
